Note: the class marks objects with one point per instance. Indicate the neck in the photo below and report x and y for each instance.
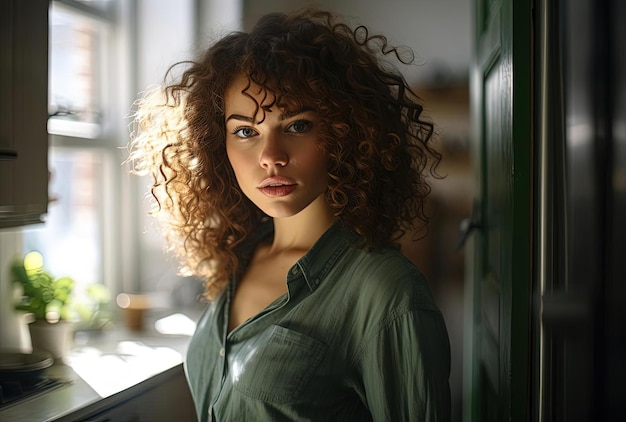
(301, 231)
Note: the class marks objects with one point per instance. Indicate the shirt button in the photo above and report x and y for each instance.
(222, 352)
(294, 270)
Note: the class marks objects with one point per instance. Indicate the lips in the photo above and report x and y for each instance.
(277, 186)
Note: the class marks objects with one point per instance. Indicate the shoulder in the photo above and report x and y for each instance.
(387, 303)
(385, 277)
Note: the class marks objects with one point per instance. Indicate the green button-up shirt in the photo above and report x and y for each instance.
(357, 337)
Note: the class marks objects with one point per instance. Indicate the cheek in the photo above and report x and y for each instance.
(317, 168)
(320, 160)
(236, 160)
(229, 156)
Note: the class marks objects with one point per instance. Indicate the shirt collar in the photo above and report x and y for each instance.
(316, 263)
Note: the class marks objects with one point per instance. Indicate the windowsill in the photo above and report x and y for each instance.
(105, 368)
(74, 129)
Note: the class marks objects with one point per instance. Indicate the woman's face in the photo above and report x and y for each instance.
(275, 156)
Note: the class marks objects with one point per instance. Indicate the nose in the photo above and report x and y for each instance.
(274, 153)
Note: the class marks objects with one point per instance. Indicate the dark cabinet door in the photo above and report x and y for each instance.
(500, 252)
(23, 111)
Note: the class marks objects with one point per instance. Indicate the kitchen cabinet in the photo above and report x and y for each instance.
(23, 111)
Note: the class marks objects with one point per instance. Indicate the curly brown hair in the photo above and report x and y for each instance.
(378, 146)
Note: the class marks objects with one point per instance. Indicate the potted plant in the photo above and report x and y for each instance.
(50, 303)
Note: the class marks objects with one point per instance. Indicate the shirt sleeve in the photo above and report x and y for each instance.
(405, 369)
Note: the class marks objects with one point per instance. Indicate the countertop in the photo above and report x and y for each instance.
(106, 367)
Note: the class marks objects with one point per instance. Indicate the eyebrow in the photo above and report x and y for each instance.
(282, 116)
(288, 114)
(239, 117)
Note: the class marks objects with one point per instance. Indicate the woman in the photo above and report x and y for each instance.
(287, 164)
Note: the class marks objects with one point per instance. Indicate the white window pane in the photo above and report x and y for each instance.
(74, 83)
(71, 238)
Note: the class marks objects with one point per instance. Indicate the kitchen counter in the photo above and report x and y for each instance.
(109, 368)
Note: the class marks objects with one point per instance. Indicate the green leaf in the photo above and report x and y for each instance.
(41, 292)
(64, 283)
(18, 272)
(47, 295)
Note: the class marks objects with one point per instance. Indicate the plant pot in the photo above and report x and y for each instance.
(56, 339)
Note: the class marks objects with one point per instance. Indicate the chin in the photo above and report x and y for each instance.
(290, 207)
(282, 209)
(280, 213)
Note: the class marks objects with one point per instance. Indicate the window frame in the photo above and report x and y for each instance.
(115, 215)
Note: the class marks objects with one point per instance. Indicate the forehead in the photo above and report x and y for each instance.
(244, 95)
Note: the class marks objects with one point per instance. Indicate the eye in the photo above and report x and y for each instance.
(244, 132)
(300, 126)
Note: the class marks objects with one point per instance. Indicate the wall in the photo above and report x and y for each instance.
(13, 330)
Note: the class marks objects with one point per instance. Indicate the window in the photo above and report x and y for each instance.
(102, 54)
(84, 143)
(75, 102)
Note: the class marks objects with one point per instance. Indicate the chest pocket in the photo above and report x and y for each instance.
(278, 367)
